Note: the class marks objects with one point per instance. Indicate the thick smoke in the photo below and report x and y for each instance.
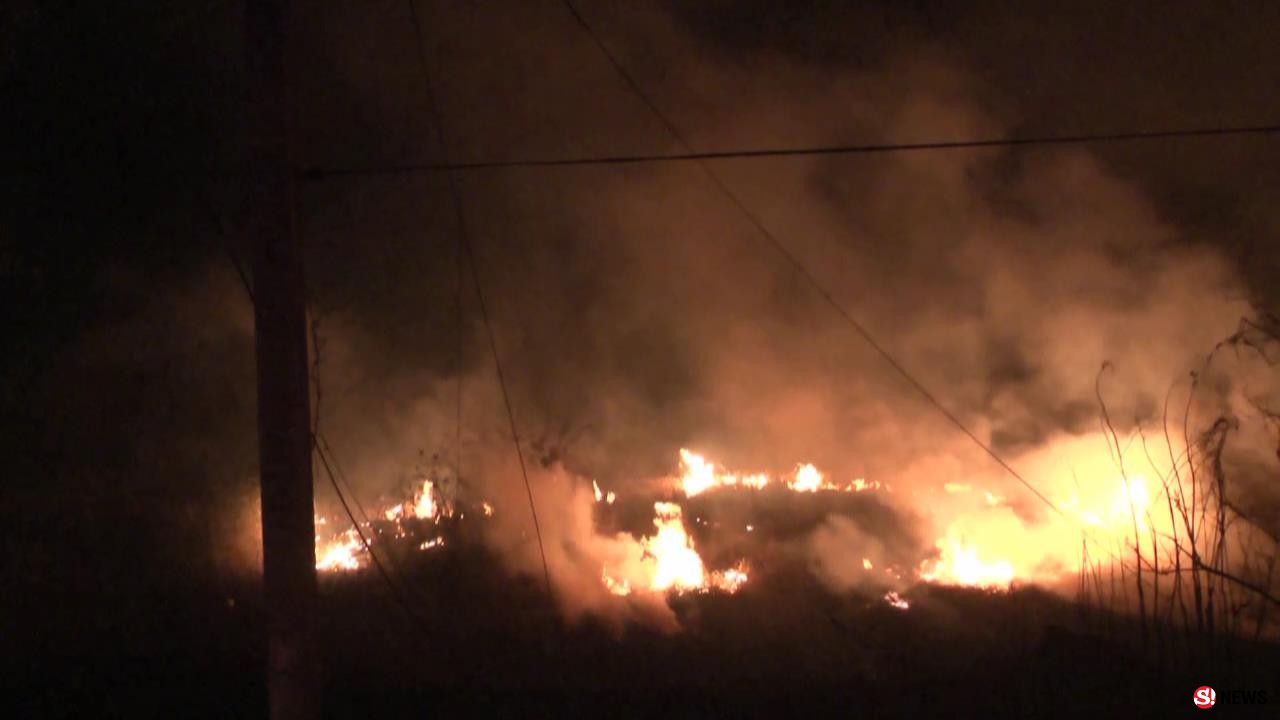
(636, 310)
(576, 550)
(834, 550)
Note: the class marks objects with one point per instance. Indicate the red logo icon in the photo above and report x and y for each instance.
(1204, 697)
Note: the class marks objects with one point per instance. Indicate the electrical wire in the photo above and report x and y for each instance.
(320, 173)
(324, 451)
(465, 241)
(800, 268)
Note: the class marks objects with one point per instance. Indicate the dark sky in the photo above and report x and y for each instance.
(637, 310)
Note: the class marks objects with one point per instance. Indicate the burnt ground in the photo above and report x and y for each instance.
(484, 643)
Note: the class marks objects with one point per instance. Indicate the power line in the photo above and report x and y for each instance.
(397, 592)
(323, 450)
(800, 268)
(689, 155)
(465, 243)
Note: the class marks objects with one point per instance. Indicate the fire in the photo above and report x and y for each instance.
(670, 562)
(959, 565)
(424, 506)
(730, 580)
(985, 541)
(617, 587)
(345, 552)
(698, 475)
(807, 479)
(1113, 511)
(607, 497)
(1132, 496)
(677, 564)
(896, 601)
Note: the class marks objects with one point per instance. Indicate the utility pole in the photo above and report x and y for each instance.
(284, 403)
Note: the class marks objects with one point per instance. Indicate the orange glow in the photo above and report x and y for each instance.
(344, 553)
(669, 562)
(730, 580)
(807, 479)
(983, 539)
(607, 497)
(424, 506)
(676, 564)
(960, 565)
(698, 475)
(896, 601)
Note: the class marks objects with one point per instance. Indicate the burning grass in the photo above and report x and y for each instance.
(749, 520)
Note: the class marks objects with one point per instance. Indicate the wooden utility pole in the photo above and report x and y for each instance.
(284, 403)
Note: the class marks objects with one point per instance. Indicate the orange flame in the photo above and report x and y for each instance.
(985, 541)
(343, 553)
(698, 475)
(959, 565)
(677, 564)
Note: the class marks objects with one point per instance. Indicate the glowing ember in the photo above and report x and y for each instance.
(896, 601)
(730, 580)
(607, 497)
